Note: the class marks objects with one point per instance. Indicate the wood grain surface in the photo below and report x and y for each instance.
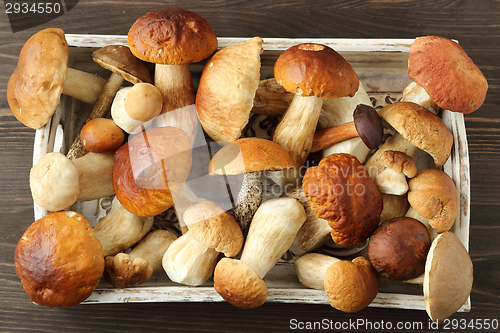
(475, 24)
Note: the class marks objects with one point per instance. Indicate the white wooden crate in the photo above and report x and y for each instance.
(381, 65)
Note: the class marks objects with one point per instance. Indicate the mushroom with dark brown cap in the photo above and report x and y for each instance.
(398, 248)
(227, 88)
(172, 39)
(249, 157)
(42, 75)
(341, 191)
(442, 67)
(121, 271)
(192, 257)
(433, 198)
(101, 135)
(314, 73)
(366, 125)
(123, 66)
(151, 169)
(59, 260)
(399, 166)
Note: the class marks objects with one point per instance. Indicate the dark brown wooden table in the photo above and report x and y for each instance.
(476, 24)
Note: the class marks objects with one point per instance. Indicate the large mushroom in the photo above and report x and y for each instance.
(341, 192)
(42, 75)
(227, 88)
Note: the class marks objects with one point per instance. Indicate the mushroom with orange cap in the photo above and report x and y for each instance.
(101, 135)
(249, 157)
(42, 75)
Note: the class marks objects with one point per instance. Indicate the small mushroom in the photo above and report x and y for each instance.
(153, 247)
(133, 106)
(249, 156)
(311, 269)
(42, 75)
(101, 135)
(273, 228)
(59, 260)
(57, 182)
(192, 257)
(120, 229)
(341, 192)
(227, 88)
(442, 67)
(121, 271)
(366, 125)
(399, 166)
(398, 248)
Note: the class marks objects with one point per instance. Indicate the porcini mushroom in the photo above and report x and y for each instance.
(366, 125)
(273, 228)
(311, 269)
(249, 157)
(399, 166)
(351, 285)
(151, 169)
(42, 74)
(57, 182)
(442, 67)
(398, 248)
(123, 66)
(101, 135)
(172, 39)
(191, 258)
(227, 88)
(153, 247)
(314, 73)
(59, 260)
(341, 192)
(121, 271)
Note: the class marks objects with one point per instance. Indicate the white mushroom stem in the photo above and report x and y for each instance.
(393, 182)
(183, 201)
(95, 176)
(153, 247)
(188, 261)
(311, 269)
(176, 86)
(272, 231)
(416, 94)
(120, 229)
(83, 86)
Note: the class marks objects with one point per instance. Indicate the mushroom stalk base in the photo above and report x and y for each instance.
(83, 86)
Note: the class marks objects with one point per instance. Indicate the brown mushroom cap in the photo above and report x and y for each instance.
(448, 277)
(250, 155)
(35, 86)
(227, 88)
(150, 170)
(368, 125)
(238, 284)
(315, 70)
(122, 271)
(214, 227)
(173, 36)
(400, 162)
(143, 102)
(351, 286)
(433, 195)
(119, 60)
(101, 135)
(59, 260)
(341, 192)
(421, 128)
(448, 75)
(398, 248)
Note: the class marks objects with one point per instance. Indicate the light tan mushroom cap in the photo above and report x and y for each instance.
(448, 277)
(54, 182)
(448, 75)
(35, 86)
(212, 226)
(421, 128)
(351, 286)
(400, 162)
(250, 155)
(227, 89)
(238, 284)
(122, 271)
(434, 196)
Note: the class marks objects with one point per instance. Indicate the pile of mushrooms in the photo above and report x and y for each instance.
(138, 148)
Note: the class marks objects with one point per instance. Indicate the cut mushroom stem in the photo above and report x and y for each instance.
(120, 229)
(83, 86)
